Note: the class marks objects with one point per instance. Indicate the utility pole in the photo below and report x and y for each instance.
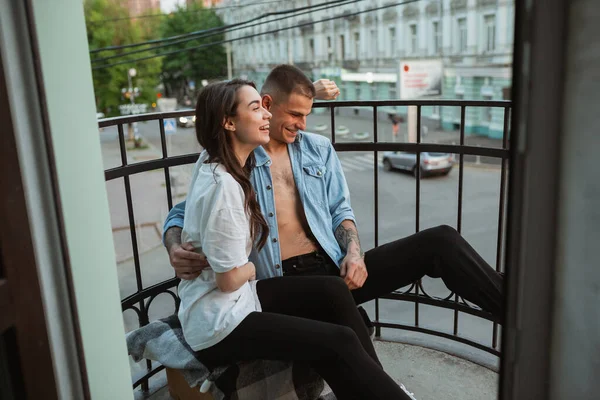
(229, 66)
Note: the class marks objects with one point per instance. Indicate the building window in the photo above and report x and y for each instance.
(413, 38)
(392, 91)
(356, 45)
(373, 91)
(373, 43)
(462, 35)
(489, 22)
(358, 91)
(311, 47)
(342, 48)
(459, 96)
(487, 111)
(437, 37)
(392, 42)
(329, 49)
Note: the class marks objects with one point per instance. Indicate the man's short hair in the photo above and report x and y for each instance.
(286, 79)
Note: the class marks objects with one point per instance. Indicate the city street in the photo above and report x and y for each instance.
(397, 205)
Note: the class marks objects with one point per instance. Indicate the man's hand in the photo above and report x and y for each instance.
(354, 271)
(187, 263)
(326, 90)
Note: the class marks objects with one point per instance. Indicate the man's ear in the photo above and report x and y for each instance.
(267, 102)
(228, 124)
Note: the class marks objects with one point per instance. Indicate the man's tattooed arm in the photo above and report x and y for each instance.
(347, 237)
(172, 237)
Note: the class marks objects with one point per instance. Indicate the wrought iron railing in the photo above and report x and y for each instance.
(142, 299)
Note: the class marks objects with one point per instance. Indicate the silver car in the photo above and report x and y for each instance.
(431, 163)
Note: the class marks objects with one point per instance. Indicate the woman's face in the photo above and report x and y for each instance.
(252, 120)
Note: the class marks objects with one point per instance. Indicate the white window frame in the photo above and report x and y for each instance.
(436, 36)
(462, 34)
(342, 47)
(489, 45)
(373, 40)
(373, 90)
(413, 38)
(393, 38)
(393, 91)
(356, 38)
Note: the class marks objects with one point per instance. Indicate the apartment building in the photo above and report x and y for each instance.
(362, 44)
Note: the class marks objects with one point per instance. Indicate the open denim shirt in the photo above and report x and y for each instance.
(323, 192)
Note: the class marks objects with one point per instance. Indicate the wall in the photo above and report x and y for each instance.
(67, 80)
(575, 362)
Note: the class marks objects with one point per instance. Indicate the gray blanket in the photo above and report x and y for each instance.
(163, 341)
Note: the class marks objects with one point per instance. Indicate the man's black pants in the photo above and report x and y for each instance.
(438, 252)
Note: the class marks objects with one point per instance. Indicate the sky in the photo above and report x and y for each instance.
(167, 6)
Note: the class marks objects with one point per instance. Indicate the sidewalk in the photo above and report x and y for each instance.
(149, 198)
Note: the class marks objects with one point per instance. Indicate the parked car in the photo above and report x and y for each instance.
(187, 122)
(431, 163)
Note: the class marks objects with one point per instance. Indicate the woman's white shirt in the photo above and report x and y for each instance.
(215, 222)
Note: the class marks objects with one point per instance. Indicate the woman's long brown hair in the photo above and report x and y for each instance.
(216, 102)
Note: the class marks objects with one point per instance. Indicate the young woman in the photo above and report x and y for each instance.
(229, 316)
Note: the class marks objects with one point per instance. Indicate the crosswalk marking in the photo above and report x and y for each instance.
(349, 166)
(361, 162)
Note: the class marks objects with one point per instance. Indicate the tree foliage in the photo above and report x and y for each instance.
(208, 63)
(108, 82)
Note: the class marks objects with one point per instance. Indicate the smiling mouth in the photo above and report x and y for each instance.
(264, 128)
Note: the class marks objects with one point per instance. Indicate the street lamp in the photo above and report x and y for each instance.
(132, 128)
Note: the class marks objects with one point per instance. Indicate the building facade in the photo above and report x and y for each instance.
(141, 7)
(362, 50)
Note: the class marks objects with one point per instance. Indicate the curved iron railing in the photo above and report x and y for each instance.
(141, 300)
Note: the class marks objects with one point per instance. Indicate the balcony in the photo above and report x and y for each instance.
(428, 338)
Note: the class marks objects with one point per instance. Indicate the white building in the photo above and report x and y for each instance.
(362, 51)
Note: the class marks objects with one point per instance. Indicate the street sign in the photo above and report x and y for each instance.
(170, 126)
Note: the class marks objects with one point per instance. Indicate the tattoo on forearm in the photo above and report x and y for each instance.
(345, 236)
(172, 236)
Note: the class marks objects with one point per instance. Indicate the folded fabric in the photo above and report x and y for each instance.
(163, 341)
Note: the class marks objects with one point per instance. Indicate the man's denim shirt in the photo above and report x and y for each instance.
(323, 192)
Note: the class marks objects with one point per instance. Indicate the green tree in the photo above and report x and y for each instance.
(195, 65)
(120, 30)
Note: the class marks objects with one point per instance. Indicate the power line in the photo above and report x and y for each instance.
(187, 11)
(212, 32)
(155, 41)
(255, 35)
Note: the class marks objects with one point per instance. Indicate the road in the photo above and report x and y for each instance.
(396, 216)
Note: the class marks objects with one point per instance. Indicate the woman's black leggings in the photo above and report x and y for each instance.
(312, 319)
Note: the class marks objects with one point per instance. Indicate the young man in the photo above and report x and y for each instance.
(303, 194)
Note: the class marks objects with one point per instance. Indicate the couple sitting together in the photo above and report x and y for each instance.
(269, 253)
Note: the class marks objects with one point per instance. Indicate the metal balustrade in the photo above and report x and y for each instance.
(141, 301)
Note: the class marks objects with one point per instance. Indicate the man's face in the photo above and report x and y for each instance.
(289, 116)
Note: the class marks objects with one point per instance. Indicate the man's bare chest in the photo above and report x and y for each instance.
(283, 180)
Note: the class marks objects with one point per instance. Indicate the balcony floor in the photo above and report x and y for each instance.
(429, 374)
